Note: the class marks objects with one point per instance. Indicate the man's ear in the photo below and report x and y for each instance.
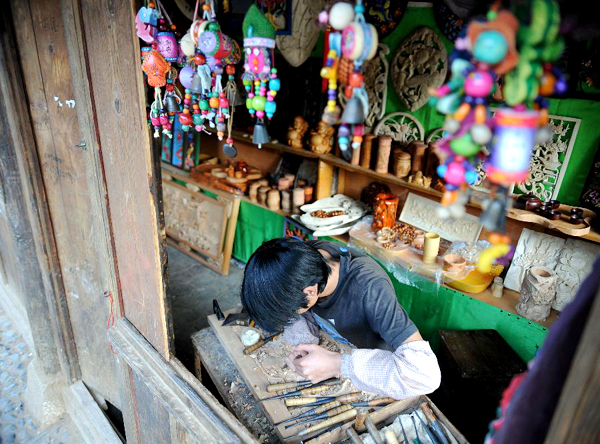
(311, 291)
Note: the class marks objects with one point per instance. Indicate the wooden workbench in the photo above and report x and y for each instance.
(212, 357)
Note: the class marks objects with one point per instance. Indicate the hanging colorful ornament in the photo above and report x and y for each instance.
(357, 43)
(465, 98)
(146, 22)
(260, 76)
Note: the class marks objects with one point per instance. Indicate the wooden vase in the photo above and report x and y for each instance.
(431, 247)
(417, 151)
(383, 154)
(385, 208)
(262, 195)
(537, 293)
(308, 194)
(253, 191)
(273, 199)
(286, 201)
(366, 149)
(283, 183)
(297, 199)
(401, 163)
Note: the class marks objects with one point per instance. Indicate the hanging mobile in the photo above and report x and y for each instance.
(260, 76)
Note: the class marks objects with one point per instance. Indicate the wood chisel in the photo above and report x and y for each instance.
(311, 390)
(259, 344)
(328, 414)
(436, 428)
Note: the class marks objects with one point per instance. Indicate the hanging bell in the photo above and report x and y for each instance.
(229, 150)
(260, 135)
(172, 105)
(196, 84)
(353, 112)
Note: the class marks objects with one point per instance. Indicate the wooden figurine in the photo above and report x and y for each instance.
(321, 138)
(419, 179)
(296, 132)
(385, 208)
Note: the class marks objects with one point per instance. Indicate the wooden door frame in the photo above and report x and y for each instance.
(35, 247)
(103, 52)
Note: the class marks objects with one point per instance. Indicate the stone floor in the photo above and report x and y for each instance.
(192, 288)
(16, 424)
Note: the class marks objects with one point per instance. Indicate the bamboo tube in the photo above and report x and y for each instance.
(431, 248)
(351, 433)
(390, 438)
(350, 414)
(366, 149)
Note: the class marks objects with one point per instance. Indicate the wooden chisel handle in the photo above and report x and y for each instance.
(292, 402)
(350, 397)
(360, 418)
(286, 386)
(259, 344)
(427, 412)
(326, 407)
(338, 410)
(390, 437)
(315, 390)
(350, 414)
(351, 433)
(373, 430)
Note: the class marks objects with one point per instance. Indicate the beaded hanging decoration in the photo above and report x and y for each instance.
(157, 60)
(260, 75)
(523, 52)
(352, 41)
(210, 54)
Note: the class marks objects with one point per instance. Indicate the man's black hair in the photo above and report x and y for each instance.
(274, 278)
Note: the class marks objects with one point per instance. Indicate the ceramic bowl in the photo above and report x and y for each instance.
(454, 263)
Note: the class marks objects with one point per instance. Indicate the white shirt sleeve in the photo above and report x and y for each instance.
(411, 370)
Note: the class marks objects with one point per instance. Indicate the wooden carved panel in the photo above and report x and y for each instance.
(420, 63)
(196, 219)
(403, 127)
(423, 213)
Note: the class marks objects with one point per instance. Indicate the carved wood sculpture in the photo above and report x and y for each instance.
(537, 293)
(296, 48)
(420, 63)
(403, 128)
(375, 73)
(296, 132)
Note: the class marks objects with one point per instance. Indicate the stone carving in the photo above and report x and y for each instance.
(532, 249)
(296, 48)
(434, 135)
(420, 63)
(375, 73)
(423, 214)
(537, 293)
(574, 264)
(403, 128)
(549, 162)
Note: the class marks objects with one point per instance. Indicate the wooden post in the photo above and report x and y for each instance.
(576, 415)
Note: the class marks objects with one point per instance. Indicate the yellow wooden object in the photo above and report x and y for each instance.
(476, 281)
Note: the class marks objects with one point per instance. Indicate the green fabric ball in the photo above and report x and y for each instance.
(261, 26)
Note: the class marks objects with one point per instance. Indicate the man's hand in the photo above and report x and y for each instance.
(314, 362)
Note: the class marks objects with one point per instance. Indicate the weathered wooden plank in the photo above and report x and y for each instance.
(576, 416)
(73, 184)
(179, 399)
(210, 354)
(119, 100)
(35, 249)
(92, 423)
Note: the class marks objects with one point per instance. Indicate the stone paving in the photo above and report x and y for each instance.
(16, 424)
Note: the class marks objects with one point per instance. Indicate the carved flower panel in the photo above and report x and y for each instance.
(403, 127)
